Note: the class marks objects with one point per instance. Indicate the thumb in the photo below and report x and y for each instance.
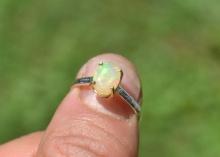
(85, 125)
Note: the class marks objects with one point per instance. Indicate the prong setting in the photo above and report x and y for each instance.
(93, 82)
(106, 82)
(113, 90)
(121, 74)
(101, 63)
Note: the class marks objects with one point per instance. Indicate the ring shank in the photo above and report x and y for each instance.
(129, 99)
(84, 80)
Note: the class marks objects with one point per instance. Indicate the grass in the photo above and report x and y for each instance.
(175, 45)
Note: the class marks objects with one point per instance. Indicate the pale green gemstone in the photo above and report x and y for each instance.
(106, 79)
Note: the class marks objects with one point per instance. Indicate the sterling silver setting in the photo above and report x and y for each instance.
(89, 80)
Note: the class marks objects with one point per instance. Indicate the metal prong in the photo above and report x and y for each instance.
(93, 82)
(113, 90)
(101, 63)
(121, 74)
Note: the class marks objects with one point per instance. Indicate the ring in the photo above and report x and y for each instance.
(106, 82)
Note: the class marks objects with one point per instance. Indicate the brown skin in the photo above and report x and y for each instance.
(85, 125)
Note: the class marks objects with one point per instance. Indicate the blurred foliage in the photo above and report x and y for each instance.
(175, 45)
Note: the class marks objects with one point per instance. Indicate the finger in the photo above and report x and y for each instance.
(25, 146)
(85, 125)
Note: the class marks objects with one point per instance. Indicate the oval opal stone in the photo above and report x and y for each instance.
(106, 79)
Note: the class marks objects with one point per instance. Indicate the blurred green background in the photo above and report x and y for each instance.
(174, 43)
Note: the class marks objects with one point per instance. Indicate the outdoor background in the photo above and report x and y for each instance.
(175, 44)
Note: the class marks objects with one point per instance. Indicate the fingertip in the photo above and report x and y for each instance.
(87, 123)
(115, 105)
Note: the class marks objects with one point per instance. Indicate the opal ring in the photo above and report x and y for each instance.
(106, 82)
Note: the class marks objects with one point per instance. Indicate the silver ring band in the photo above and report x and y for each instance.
(120, 90)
